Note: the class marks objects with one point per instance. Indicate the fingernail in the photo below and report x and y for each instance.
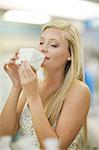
(7, 67)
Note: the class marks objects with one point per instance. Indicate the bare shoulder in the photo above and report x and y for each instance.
(80, 86)
(79, 93)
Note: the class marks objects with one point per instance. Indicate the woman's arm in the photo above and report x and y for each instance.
(40, 121)
(8, 116)
(71, 119)
(74, 113)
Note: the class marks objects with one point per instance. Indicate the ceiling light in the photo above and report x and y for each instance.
(74, 9)
(26, 17)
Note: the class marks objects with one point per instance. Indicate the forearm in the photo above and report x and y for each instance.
(9, 115)
(40, 121)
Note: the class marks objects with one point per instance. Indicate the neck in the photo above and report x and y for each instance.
(54, 79)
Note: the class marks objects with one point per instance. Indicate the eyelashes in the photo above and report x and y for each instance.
(52, 45)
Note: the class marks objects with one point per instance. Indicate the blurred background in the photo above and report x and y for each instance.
(20, 26)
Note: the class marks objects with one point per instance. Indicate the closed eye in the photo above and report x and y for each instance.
(54, 45)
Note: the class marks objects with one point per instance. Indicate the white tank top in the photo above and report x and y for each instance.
(27, 128)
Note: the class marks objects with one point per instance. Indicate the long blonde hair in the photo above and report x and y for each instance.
(73, 69)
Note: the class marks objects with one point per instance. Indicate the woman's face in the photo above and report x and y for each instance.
(53, 46)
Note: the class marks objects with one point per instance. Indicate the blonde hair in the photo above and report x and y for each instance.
(73, 69)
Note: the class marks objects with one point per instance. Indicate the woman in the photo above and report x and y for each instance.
(58, 105)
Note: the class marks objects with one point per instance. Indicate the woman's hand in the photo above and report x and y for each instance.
(29, 81)
(12, 70)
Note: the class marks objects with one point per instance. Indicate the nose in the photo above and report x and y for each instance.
(43, 49)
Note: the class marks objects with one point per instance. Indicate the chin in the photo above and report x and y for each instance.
(47, 65)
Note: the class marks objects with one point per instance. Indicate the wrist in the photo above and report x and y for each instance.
(35, 105)
(18, 87)
(33, 98)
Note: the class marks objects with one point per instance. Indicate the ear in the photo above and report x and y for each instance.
(69, 58)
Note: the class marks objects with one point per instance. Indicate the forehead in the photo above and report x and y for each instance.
(53, 33)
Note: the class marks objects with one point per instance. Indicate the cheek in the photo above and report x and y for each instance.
(61, 56)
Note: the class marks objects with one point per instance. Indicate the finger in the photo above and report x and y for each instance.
(23, 74)
(22, 71)
(12, 64)
(14, 58)
(28, 74)
(31, 67)
(6, 67)
(17, 52)
(33, 70)
(11, 61)
(28, 68)
(28, 71)
(27, 65)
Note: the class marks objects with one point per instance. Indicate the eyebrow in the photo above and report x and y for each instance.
(52, 39)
